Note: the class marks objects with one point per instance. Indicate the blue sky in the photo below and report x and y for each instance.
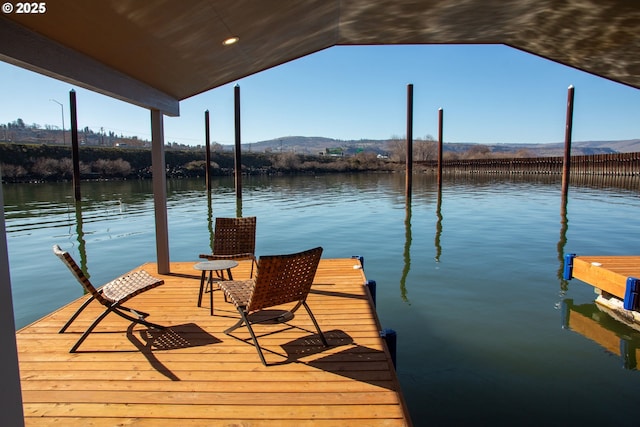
(489, 94)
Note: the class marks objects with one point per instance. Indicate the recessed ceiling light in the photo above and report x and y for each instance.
(230, 41)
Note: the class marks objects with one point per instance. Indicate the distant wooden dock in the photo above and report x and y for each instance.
(192, 374)
(617, 282)
(615, 164)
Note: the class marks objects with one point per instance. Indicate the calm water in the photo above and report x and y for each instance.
(470, 279)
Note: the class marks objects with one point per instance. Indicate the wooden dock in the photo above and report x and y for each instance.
(615, 164)
(192, 374)
(607, 273)
(616, 280)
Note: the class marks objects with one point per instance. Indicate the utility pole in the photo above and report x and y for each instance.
(64, 139)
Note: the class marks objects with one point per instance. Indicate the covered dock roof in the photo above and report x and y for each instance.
(155, 54)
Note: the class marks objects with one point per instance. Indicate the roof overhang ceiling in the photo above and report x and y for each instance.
(157, 53)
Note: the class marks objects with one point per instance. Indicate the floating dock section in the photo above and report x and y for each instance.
(616, 280)
(193, 374)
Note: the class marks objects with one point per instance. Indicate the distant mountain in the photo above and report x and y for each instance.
(315, 145)
(577, 147)
(19, 132)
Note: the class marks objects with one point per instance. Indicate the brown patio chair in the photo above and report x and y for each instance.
(280, 279)
(112, 295)
(234, 238)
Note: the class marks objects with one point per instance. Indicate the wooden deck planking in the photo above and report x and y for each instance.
(608, 273)
(193, 374)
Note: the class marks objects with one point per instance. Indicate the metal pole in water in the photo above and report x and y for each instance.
(409, 159)
(207, 171)
(75, 156)
(238, 154)
(566, 165)
(440, 145)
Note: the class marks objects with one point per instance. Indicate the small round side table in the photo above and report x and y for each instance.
(219, 266)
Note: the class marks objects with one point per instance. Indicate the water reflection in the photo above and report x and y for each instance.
(615, 337)
(562, 242)
(238, 207)
(624, 182)
(33, 207)
(82, 248)
(406, 253)
(210, 220)
(438, 225)
(484, 315)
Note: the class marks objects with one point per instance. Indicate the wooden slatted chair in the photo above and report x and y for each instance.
(234, 238)
(112, 295)
(280, 279)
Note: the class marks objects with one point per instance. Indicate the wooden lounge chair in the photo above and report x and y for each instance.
(112, 295)
(280, 279)
(234, 238)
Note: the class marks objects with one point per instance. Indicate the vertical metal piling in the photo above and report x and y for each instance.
(238, 153)
(409, 157)
(75, 152)
(438, 235)
(440, 147)
(566, 165)
(207, 170)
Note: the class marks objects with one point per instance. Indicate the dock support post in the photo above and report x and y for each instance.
(409, 156)
(238, 150)
(159, 177)
(207, 144)
(566, 165)
(11, 392)
(440, 147)
(75, 154)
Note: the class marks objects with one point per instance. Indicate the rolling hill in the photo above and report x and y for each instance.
(315, 145)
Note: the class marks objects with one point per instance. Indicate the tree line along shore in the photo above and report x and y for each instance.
(33, 163)
(21, 163)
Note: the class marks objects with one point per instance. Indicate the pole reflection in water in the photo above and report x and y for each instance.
(438, 226)
(239, 207)
(82, 247)
(564, 226)
(210, 220)
(407, 250)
